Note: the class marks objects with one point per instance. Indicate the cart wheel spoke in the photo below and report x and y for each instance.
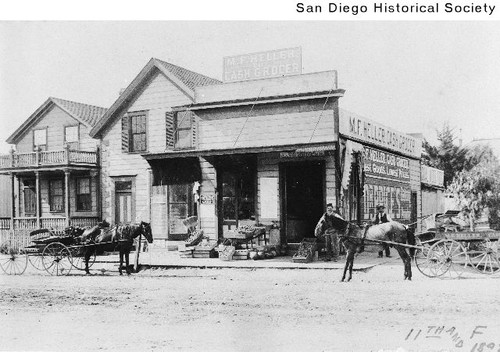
(36, 261)
(13, 257)
(56, 259)
(485, 258)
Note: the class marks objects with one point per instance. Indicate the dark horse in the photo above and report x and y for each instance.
(121, 236)
(355, 238)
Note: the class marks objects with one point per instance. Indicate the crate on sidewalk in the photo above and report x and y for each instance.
(240, 254)
(306, 251)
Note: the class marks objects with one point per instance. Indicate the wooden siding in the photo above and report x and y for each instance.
(268, 166)
(208, 213)
(157, 98)
(5, 196)
(267, 130)
(55, 120)
(306, 83)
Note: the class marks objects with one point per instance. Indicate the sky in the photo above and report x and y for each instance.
(413, 76)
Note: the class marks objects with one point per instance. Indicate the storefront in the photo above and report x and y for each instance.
(381, 166)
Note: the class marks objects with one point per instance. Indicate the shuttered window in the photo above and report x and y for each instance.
(169, 131)
(183, 128)
(134, 132)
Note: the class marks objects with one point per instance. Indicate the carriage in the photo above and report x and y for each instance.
(58, 252)
(447, 249)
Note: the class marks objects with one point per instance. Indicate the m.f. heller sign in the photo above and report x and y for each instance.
(266, 64)
(365, 130)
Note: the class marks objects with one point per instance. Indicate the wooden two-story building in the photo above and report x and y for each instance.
(54, 168)
(139, 123)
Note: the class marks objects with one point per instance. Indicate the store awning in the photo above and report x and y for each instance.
(175, 171)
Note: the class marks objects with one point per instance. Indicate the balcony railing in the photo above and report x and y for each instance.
(48, 158)
(55, 223)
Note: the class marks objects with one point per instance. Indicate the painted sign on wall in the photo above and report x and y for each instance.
(395, 197)
(266, 64)
(387, 165)
(365, 130)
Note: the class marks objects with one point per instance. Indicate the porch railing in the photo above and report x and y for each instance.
(30, 223)
(48, 158)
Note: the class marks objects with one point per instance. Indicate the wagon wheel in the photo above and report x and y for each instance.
(13, 257)
(453, 255)
(36, 261)
(56, 259)
(78, 257)
(484, 257)
(427, 262)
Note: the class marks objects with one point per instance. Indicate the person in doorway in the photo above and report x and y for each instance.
(380, 218)
(328, 227)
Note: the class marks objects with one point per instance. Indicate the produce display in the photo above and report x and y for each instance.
(305, 252)
(194, 238)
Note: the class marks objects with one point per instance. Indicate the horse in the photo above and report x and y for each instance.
(122, 236)
(393, 231)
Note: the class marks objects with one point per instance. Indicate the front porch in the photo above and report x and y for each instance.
(52, 189)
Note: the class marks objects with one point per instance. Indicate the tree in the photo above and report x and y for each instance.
(471, 174)
(446, 156)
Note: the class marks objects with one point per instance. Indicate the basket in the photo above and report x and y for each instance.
(227, 253)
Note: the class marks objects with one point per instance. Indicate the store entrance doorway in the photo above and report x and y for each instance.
(303, 201)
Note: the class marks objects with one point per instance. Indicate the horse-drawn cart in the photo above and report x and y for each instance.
(49, 250)
(58, 253)
(451, 250)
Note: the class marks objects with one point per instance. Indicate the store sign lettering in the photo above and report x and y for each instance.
(275, 63)
(366, 130)
(387, 165)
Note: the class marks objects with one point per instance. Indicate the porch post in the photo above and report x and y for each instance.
(13, 199)
(95, 175)
(66, 196)
(37, 186)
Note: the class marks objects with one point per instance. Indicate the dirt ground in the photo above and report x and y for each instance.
(249, 310)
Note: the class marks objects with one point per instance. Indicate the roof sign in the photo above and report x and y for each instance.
(265, 64)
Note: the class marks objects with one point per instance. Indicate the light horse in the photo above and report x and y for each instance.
(121, 236)
(355, 238)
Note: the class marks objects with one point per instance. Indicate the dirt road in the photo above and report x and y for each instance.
(249, 310)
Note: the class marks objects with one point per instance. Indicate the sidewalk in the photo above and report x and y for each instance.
(163, 258)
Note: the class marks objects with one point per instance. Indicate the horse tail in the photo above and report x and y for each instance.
(410, 239)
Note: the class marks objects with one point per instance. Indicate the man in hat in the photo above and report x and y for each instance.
(328, 225)
(380, 218)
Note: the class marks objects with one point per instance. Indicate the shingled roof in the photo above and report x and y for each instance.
(84, 113)
(88, 114)
(189, 78)
(184, 79)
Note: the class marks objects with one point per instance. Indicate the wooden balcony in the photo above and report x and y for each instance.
(48, 159)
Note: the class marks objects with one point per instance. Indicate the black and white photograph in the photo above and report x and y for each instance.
(251, 185)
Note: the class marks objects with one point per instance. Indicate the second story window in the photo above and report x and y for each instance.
(134, 132)
(183, 123)
(71, 136)
(40, 139)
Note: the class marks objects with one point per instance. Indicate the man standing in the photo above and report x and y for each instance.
(381, 218)
(328, 225)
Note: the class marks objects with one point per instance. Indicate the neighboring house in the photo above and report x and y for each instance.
(137, 124)
(433, 198)
(55, 167)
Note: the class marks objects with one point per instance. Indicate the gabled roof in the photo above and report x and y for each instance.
(84, 113)
(184, 79)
